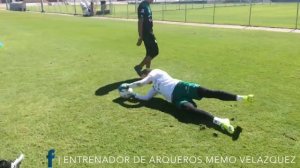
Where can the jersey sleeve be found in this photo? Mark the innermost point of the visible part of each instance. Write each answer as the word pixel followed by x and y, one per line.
pixel 140 83
pixel 149 95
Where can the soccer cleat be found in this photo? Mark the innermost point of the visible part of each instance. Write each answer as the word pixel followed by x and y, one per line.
pixel 236 134
pixel 250 98
pixel 225 125
pixel 138 70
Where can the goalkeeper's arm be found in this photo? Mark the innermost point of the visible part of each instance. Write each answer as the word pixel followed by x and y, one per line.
pixel 146 97
pixel 140 83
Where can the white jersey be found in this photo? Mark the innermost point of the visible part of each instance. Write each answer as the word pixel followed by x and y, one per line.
pixel 163 83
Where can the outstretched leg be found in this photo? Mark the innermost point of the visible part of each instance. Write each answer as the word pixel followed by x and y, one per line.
pixel 222 95
pixel 224 123
pixel 208 93
pixel 191 108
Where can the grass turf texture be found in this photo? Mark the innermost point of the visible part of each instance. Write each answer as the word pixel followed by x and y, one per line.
pixel 51 67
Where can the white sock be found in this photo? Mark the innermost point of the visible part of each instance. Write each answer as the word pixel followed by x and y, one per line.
pixel 217 120
pixel 240 98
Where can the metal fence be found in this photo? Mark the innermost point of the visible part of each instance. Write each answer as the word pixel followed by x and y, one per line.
pixel 267 13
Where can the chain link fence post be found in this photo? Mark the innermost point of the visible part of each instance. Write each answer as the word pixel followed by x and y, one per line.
pixel 297 15
pixel 6 4
pixel 185 11
pixel 75 12
pixel 42 6
pixel 163 5
pixel 127 10
pixel 214 12
pixel 250 13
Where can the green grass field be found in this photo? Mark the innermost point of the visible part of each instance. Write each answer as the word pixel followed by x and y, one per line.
pixel 267 15
pixel 51 67
pixel 275 15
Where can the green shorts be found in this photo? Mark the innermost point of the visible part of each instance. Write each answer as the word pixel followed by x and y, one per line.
pixel 185 92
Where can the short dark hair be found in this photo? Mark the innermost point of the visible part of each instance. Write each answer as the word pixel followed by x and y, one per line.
pixel 146 71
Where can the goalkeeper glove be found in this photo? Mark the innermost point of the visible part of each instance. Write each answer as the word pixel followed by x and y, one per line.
pixel 132 95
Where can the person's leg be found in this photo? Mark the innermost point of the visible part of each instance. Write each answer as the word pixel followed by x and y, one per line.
pixel 208 93
pixel 148 65
pixel 138 68
pixel 224 123
pixel 146 61
pixel 222 95
pixel 189 107
pixel 151 50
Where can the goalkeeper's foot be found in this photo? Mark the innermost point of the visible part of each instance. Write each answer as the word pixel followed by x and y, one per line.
pixel 225 125
pixel 249 98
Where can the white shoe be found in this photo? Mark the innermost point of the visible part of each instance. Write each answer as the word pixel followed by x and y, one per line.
pixel 225 124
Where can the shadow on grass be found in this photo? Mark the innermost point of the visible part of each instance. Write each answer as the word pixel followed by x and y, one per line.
pixel 180 115
pixel 104 90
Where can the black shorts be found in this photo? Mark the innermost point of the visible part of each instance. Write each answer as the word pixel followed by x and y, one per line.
pixel 150 45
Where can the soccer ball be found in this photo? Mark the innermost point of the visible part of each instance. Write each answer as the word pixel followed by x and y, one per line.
pixel 124 91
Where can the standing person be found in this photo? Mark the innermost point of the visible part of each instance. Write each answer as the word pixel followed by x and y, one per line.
pixel 86 8
pixel 182 93
pixel 146 35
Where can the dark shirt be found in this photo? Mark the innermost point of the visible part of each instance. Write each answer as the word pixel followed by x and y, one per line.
pixel 145 13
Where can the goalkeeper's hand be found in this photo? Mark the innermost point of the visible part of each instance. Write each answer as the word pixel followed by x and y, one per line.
pixel 132 95
pixel 125 85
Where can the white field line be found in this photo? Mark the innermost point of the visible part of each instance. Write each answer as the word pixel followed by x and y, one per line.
pixel 285 30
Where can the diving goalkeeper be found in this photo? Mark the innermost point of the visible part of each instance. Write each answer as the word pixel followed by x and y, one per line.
pixel 182 93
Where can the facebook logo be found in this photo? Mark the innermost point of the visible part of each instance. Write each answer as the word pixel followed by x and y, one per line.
pixel 50 157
